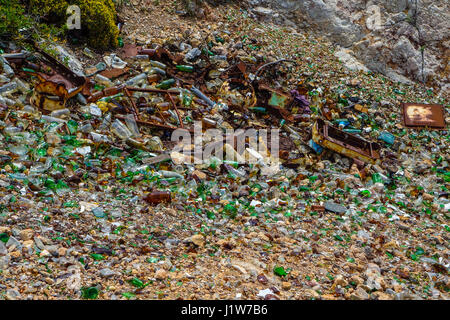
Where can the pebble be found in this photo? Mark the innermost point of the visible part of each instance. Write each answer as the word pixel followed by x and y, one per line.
pixel 12 294
pixel 13 243
pixel 198 240
pixel 360 294
pixel 26 234
pixel 161 274
pixel 106 273
pixel 334 207
pixel 286 285
pixel 3 249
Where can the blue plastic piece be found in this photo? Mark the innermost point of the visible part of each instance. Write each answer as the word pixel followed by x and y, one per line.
pixel 318 149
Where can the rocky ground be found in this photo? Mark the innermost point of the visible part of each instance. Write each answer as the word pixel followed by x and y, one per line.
pixel 403 39
pixel 74 223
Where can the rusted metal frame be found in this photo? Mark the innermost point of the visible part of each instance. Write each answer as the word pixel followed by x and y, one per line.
pixel 127 92
pixel 321 136
pixel 176 110
pixel 159 125
pixel 136 113
pixel 349 146
pixel 371 151
pixel 162 116
pixel 167 92
pixel 133 89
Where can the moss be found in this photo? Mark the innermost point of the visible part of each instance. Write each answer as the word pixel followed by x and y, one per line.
pixel 11 18
pixel 51 10
pixel 98 18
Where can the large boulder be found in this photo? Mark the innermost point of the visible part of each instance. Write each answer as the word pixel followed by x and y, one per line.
pixel 389 36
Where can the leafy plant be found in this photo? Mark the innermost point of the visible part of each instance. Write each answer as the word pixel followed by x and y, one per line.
pixel 12 19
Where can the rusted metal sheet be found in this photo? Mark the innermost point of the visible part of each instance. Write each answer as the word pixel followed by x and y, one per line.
pixel 345 143
pixel 57 82
pixel 423 115
pixel 49 96
pixel 62 74
pixel 114 73
pixel 276 101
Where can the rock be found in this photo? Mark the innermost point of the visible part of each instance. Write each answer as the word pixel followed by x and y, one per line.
pixel 62 251
pixel 53 250
pixel 372 270
pixel 28 244
pixel 4 262
pixel 428 197
pixel 161 274
pixel 4 229
pixel 239 268
pixel 380 283
pixel 3 249
pixel 39 243
pixel 334 207
pixel 348 59
pixel 26 234
pixel 198 240
pixel 365 30
pixel 286 285
pixel 12 294
pixel 13 243
pixel 310 293
pixel 357 280
pixel 359 294
pixel 106 273
pixel 340 281
pixel 263 11
pixel 199 174
pixel 262 279
pixel 264 293
pixel 16 254
pixel 44 253
pixel 382 296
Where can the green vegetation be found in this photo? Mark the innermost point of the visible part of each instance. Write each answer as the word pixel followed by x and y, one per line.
pixel 49 17
pixel 11 19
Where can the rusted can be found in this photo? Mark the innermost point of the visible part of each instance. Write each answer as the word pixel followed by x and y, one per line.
pixel 157 197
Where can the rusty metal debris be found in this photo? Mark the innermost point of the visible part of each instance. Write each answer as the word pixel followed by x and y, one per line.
pixel 114 73
pixel 238 94
pixel 423 115
pixel 271 63
pixel 57 83
pixel 239 88
pixel 49 96
pixel 129 90
pixel 345 143
pixel 107 92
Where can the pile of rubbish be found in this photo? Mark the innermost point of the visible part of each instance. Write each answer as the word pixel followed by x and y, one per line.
pixel 89 169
